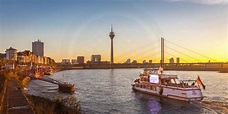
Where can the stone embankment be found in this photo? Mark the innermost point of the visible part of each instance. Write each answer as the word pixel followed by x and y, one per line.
pixel 2 93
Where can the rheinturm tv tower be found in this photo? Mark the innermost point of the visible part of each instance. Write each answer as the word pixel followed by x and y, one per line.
pixel 111 35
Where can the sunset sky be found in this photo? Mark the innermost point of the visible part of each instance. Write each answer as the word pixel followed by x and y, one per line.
pixel 194 30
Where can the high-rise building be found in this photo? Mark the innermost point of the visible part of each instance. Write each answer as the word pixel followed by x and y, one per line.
pixel 80 59
pixel 65 62
pixel 38 47
pixel 171 60
pixel 11 54
pixel 96 58
pixel 178 60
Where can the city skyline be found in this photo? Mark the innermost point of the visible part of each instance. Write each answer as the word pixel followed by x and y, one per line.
pixel 71 29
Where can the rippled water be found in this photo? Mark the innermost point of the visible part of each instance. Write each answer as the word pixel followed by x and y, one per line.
pixel 109 91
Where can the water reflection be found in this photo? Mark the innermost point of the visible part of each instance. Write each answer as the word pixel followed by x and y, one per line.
pixel 154 106
pixel 157 105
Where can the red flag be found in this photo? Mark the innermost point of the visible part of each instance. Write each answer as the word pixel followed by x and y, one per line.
pixel 200 82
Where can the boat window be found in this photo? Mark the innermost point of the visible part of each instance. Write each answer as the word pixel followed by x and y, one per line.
pixel 148 86
pixel 146 79
pixel 173 81
pixel 152 87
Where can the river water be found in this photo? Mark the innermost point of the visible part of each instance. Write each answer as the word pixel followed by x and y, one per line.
pixel 109 91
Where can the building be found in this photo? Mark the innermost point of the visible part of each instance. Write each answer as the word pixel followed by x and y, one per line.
pixel 171 60
pixel 28 55
pixel 144 62
pixel 2 55
pixel 128 61
pixel 9 66
pixel 80 59
pixel 178 60
pixel 74 61
pixel 46 60
pixel 25 56
pixel 65 62
pixel 11 54
pixel 50 60
pixel 38 48
pixel 20 57
pixel 95 59
pixel 134 61
pixel 39 59
pixel 33 57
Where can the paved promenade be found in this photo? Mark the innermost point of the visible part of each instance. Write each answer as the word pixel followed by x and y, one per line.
pixel 15 101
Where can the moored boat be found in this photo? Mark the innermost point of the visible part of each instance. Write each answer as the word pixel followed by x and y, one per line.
pixel 49 72
pixel 155 82
pixel 68 88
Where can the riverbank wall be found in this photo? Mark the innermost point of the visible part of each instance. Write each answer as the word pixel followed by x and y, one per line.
pixel 43 105
pixel 2 95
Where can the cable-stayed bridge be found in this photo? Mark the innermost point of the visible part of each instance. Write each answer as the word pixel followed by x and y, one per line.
pixel 160 52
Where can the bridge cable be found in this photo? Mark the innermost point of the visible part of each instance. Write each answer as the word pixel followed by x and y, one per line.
pixel 136 50
pixel 176 56
pixel 182 53
pixel 191 51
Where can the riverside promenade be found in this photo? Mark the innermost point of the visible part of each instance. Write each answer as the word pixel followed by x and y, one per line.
pixel 15 101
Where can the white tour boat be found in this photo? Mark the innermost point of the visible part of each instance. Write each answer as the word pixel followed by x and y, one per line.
pixel 153 81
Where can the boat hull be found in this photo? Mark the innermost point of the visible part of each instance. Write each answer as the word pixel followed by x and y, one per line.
pixel 183 94
pixel 66 88
pixel 48 73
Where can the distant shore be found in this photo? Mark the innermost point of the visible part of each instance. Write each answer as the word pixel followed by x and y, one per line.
pixel 220 70
pixel 209 66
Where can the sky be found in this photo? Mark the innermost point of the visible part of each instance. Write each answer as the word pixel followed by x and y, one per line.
pixel 194 30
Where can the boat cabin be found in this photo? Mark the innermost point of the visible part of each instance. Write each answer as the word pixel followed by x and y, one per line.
pixel 154 76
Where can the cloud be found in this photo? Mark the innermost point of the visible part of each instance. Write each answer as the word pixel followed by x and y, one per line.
pixel 209 2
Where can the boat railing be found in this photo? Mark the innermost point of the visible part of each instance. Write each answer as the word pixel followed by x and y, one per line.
pixel 181 85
